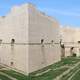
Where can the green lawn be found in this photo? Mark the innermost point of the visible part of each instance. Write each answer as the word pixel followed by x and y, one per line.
pixel 2 77
pixel 49 75
pixel 4 71
pixel 65 77
pixel 77 76
pixel 15 74
pixel 54 72
pixel 70 61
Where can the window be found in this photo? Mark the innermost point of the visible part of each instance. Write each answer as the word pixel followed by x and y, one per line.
pixel 12 41
pixel 42 40
pixel 11 63
pixel 78 41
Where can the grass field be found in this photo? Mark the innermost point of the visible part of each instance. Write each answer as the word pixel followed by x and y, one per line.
pixel 66 69
pixel 15 74
pixel 9 74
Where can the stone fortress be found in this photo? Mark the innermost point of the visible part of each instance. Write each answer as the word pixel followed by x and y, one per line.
pixel 30 40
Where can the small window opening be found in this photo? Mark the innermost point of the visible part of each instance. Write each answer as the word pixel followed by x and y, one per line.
pixel 78 41
pixel 12 41
pixel 11 63
pixel 52 41
pixel 42 40
pixel 0 41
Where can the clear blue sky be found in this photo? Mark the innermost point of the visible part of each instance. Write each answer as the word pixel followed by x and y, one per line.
pixel 67 12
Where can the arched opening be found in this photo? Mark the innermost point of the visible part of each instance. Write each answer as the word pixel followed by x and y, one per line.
pixel 12 41
pixel 42 40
